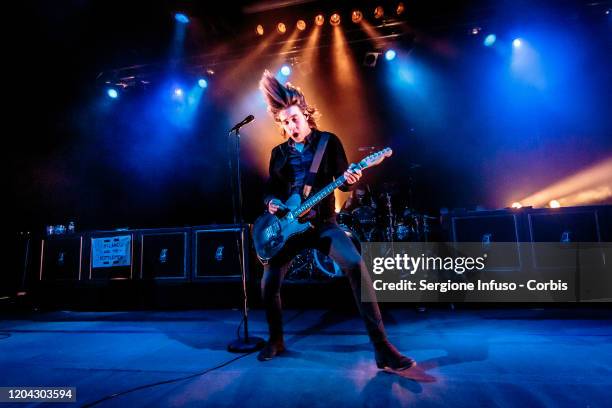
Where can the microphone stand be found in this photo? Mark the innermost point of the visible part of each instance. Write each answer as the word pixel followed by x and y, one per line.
pixel 248 343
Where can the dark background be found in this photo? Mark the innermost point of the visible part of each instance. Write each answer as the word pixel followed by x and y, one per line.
pixel 481 136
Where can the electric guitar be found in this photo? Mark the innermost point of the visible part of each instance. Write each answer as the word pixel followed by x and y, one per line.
pixel 271 233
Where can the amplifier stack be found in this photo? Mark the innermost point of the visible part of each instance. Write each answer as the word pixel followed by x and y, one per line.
pixel 204 253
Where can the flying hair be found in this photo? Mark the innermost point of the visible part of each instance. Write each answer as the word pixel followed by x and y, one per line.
pixel 280 97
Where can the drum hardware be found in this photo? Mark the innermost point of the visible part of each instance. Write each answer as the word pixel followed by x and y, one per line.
pixel 389 218
pixel 375 216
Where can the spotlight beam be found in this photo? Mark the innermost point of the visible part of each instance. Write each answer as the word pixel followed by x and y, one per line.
pixel 348 81
pixel 373 34
pixel 585 187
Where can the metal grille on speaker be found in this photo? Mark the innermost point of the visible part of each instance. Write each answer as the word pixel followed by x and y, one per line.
pixel 60 259
pixel 490 230
pixel 562 231
pixel 164 255
pixel 216 253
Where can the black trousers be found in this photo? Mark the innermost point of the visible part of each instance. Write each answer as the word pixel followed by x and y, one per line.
pixel 332 241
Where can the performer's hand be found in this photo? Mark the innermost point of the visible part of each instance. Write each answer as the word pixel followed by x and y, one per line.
pixel 274 205
pixel 352 175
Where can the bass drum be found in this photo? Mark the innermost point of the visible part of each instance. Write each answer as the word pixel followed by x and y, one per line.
pixel 346 219
pixel 324 267
pixel 300 268
pixel 364 222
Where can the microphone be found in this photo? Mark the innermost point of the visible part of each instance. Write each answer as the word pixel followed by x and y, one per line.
pixel 246 120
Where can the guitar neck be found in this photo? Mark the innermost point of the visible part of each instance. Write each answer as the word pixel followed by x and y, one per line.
pixel 320 195
pixel 371 160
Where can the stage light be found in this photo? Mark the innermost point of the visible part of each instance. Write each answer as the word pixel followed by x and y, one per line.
pixel 285 70
pixel 334 19
pixel 516 43
pixel 112 93
pixel 259 30
pixel 400 8
pixel 554 204
pixel 181 18
pixel 390 55
pixel 281 28
pixel 202 83
pixel 319 20
pixel 301 25
pixel 356 16
pixel 476 30
pixel 516 205
pixel 370 59
pixel 178 92
pixel 588 186
pixel 379 12
pixel 490 40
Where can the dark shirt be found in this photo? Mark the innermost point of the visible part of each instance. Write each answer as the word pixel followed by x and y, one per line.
pixel 284 166
pixel 300 163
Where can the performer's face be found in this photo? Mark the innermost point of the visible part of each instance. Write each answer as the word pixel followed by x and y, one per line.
pixel 295 123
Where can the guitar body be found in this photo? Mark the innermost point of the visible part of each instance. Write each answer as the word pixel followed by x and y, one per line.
pixel 270 234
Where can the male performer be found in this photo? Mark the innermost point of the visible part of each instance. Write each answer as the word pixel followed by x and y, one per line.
pixel 290 165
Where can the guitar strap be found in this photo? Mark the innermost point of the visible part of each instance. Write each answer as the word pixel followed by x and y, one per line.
pixel 316 162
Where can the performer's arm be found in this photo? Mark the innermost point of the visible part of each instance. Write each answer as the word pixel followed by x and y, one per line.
pixel 340 162
pixel 274 186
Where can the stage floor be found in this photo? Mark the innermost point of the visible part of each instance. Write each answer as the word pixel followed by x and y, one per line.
pixel 508 357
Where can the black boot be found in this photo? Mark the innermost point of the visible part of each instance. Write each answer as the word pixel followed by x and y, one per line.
pixel 271 350
pixel 387 356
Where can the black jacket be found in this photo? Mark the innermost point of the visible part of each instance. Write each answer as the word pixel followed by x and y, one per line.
pixel 333 164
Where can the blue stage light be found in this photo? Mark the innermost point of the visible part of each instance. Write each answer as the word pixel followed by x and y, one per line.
pixel 178 92
pixel 285 70
pixel 112 93
pixel 516 43
pixel 390 54
pixel 181 18
pixel 202 83
pixel 490 40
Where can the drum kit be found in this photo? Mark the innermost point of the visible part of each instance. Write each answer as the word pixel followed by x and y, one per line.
pixel 367 216
pixel 311 265
pixel 380 219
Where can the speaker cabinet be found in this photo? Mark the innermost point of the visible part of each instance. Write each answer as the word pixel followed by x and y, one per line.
pixel 485 228
pixel 217 252
pixel 14 275
pixel 564 226
pixel 111 255
pixel 164 254
pixel 61 258
pixel 563 230
pixel 496 232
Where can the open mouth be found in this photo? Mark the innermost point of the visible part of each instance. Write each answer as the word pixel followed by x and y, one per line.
pixel 295 135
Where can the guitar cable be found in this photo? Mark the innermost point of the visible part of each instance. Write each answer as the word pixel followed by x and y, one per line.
pixel 174 380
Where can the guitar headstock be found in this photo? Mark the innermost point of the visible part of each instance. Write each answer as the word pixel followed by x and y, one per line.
pixel 375 158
